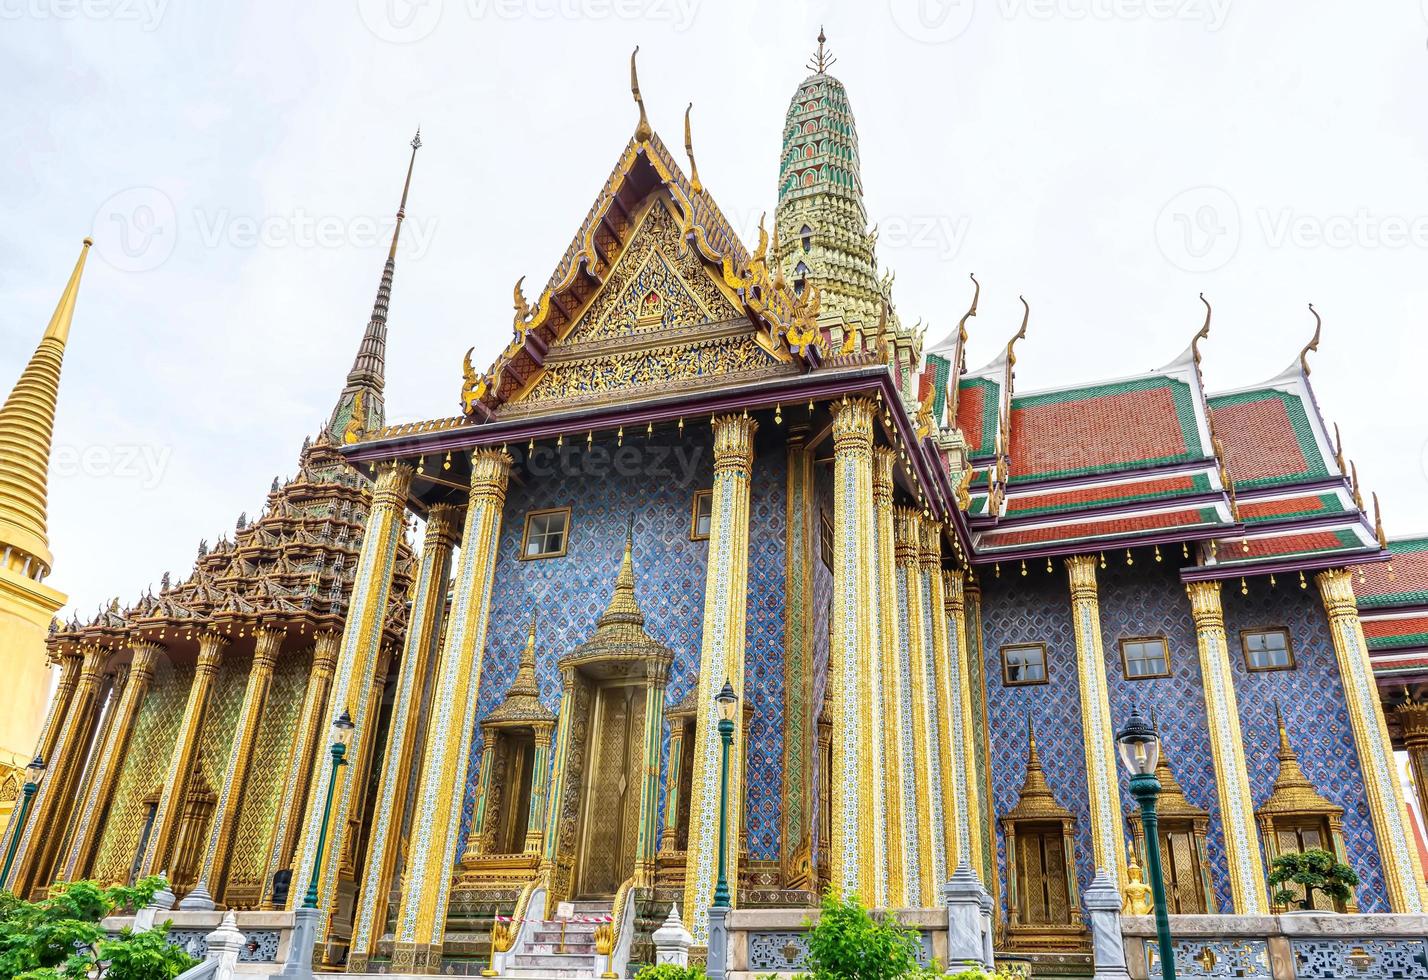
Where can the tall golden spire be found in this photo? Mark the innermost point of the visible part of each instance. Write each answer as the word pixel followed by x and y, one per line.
pixel 624 608
pixel 26 427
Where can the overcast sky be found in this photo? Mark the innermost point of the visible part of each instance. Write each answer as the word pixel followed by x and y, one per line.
pixel 238 165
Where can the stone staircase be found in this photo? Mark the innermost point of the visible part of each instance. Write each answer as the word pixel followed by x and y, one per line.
pixel 561 951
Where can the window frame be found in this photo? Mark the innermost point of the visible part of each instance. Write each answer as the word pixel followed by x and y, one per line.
pixel 1045 664
pixel 526 534
pixel 1125 661
pixel 825 534
pixel 1288 648
pixel 699 495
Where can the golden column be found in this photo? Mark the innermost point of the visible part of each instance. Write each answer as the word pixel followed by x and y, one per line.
pixel 69 664
pixel 1397 852
pixel 1413 721
pixel 352 684
pixel 213 868
pixel 962 745
pixel 1227 749
pixel 943 741
pixel 800 538
pixel 110 761
pixel 977 689
pixel 916 703
pixel 44 831
pixel 669 838
pixel 540 779
pixel 169 812
pixel 1108 846
pixel 421 922
pixel 423 634
pixel 721 657
pixel 305 746
pixel 646 839
pixel 850 652
pixel 891 734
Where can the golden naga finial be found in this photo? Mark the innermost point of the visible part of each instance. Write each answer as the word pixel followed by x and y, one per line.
pixel 821 60
pixel 1378 523
pixel 694 182
pixel 473 385
pixel 761 253
pixel 1019 335
pixel 954 375
pixel 1313 342
pixel 1204 331
pixel 642 129
pixel 1339 450
pixel 1354 484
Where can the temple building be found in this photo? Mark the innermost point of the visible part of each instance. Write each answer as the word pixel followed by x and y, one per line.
pixel 935 595
pixel 28 604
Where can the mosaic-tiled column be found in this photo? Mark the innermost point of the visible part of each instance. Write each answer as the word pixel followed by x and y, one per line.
pixel 647 837
pixel 873 866
pixel 669 839
pixel 169 811
pixel 1227 749
pixel 212 868
pixel 431 853
pixel 1413 722
pixel 943 706
pixel 423 634
pixel 359 776
pixel 721 657
pixel 351 687
pixel 890 729
pixel 850 782
pixel 800 539
pixel 292 805
pixel 961 745
pixel 1397 852
pixel 70 666
pixel 1108 846
pixel 564 718
pixel 110 760
pixel 913 710
pixel 977 690
pixel 540 780
pixel 46 824
pixel 111 690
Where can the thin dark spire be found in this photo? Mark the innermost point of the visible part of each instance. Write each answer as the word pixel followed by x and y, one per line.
pixel 361 408
pixel 822 60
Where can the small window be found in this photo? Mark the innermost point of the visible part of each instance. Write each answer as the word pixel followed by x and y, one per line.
pixel 806 234
pixel 546 533
pixel 703 514
pixel 825 540
pixel 1024 664
pixel 1267 649
pixel 1145 656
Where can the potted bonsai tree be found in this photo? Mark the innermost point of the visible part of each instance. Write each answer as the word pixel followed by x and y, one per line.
pixel 1314 870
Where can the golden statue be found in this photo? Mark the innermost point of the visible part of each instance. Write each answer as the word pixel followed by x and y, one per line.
pixel 1138 900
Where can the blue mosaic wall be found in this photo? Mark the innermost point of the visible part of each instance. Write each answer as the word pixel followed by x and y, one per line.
pixel 657 482
pixel 1312 700
pixel 1035 608
pixel 1147 599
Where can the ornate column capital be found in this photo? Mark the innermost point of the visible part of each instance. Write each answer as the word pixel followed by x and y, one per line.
pixel 210 652
pixel 324 652
pixel 392 483
pixel 1205 604
pixel 953 592
pixel 1413 721
pixel 490 473
pixel 929 544
pixel 1081 570
pixel 144 656
pixel 734 443
pixel 443 526
pixel 92 665
pixel 907 541
pixel 268 641
pixel 1336 588
pixel 884 459
pixel 853 426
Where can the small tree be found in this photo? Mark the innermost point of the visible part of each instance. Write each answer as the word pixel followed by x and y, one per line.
pixel 1313 870
pixel 848 943
pixel 60 938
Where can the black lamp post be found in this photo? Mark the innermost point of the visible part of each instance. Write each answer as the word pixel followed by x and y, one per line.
pixel 341 736
pixel 1139 746
pixel 34 773
pixel 727 702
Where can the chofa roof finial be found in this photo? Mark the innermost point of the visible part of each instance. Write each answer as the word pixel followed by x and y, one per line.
pixel 1313 341
pixel 694 182
pixel 1204 330
pixel 642 128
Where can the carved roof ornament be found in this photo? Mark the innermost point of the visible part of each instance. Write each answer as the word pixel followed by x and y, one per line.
pixel 1313 342
pixel 695 184
pixel 1036 801
pixel 822 59
pixel 522 705
pixel 620 645
pixel 1292 792
pixel 643 132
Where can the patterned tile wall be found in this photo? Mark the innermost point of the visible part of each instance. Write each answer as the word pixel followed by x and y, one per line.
pixel 1035 608
pixel 1312 699
pixel 570 592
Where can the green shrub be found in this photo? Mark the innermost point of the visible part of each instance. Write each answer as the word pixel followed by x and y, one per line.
pixel 59 937
pixel 668 971
pixel 849 943
pixel 1314 870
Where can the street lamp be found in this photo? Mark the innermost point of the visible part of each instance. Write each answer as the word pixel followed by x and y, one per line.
pixel 341 736
pixel 727 702
pixel 1139 746
pixel 34 773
